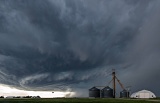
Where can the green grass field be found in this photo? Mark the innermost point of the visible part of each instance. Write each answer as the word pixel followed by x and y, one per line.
pixel 77 100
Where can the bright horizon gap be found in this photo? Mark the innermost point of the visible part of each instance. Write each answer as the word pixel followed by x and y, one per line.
pixel 11 91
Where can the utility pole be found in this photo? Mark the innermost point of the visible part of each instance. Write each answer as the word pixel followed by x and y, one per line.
pixel 114 82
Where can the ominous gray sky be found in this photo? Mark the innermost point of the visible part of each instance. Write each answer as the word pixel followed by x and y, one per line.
pixel 49 44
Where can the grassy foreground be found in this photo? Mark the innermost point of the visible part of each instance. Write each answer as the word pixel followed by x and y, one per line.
pixel 75 100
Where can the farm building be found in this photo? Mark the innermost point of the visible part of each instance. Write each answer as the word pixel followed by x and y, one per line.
pixel 143 94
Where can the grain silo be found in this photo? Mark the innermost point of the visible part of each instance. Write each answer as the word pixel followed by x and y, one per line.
pixel 107 92
pixel 94 92
pixel 124 94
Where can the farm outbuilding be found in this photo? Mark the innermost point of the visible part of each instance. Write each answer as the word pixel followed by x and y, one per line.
pixel 143 94
pixel 94 92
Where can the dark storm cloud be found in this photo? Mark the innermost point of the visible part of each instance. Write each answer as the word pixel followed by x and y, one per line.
pixel 144 55
pixel 53 43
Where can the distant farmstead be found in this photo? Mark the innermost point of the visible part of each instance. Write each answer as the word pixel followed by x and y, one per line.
pixel 143 94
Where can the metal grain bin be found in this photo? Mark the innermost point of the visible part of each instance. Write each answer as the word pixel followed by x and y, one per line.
pixel 124 94
pixel 94 92
pixel 107 92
